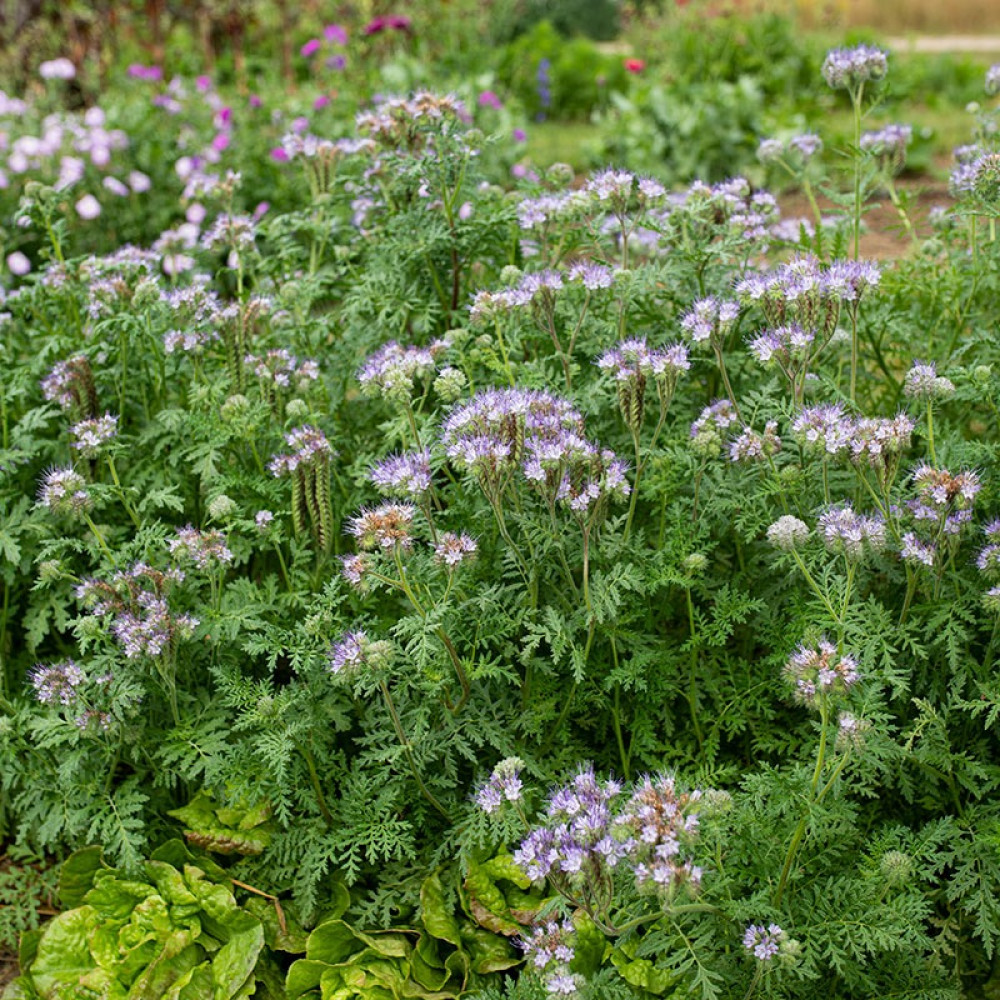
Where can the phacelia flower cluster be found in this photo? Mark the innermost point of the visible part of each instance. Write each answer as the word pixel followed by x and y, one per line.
pixel 504 785
pixel 988 560
pixel 799 147
pixel 944 502
pixel 454 548
pixel 136 599
pixel 707 430
pixel 90 436
pixel 631 363
pixel 888 144
pixel 64 492
pixel 206 549
pixel 281 368
pixel 393 369
pixel 788 533
pixel 803 292
pixel 71 385
pixel 709 320
pixel 877 442
pixel 589 830
pixel 764 942
pixel 820 670
pixel 387 528
pixel 407 475
pixel 56 683
pixel 753 446
pixel 852 68
pixel 309 447
pixel 922 382
pixel 855 535
pixel 548 951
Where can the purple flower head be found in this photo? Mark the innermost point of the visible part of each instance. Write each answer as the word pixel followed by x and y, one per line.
pixel 393 369
pixel 454 549
pixel 923 382
pixel 504 785
pixel 310 48
pixel 820 670
pixel 205 549
pixel 764 942
pixel 709 320
pixel 851 68
pixel 309 446
pixel 706 431
pixel 854 534
pixel 752 446
pixel 56 683
pixel 406 475
pixel 348 653
pixel 336 34
pixel 90 436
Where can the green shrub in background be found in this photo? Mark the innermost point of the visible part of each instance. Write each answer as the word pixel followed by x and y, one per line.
pixel 709 130
pixel 599 20
pixel 577 77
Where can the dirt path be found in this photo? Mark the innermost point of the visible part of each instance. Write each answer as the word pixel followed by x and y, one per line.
pixel 946 44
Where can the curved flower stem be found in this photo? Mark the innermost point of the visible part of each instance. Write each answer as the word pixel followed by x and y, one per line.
pixel 100 539
pixel 121 493
pixel 800 830
pixel 816 589
pixel 408 750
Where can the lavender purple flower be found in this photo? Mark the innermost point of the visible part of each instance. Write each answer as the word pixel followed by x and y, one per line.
pixel 763 942
pixel 454 549
pixel 204 548
pixel 504 785
pixel 405 475
pixel 64 491
pixel 91 435
pixel 853 534
pixel 388 527
pixel 851 68
pixel 56 683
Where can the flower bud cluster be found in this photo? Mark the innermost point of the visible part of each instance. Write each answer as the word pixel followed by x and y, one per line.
pixel 631 363
pixel 504 785
pixel 205 549
pixel 393 369
pixel 90 436
pixel 820 670
pixel 71 385
pixel 752 446
pixel 855 535
pixel 923 382
pixel 888 144
pixel 851 68
pixel 64 492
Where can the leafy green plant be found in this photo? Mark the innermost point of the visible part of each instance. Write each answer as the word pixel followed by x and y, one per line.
pixel 173 932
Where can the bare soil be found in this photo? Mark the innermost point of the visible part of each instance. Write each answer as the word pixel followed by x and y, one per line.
pixel 884 236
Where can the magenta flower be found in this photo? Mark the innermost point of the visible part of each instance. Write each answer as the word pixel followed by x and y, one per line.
pixel 321 102
pixel 487 99
pixel 336 34
pixel 151 74
pixel 310 48
pixel 220 141
pixel 520 135
pixel 255 101
pixel 203 83
pixel 280 155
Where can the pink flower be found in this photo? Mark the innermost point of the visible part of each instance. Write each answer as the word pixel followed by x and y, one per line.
pixel 634 65
pixel 225 116
pixel 203 83
pixel 280 155
pixel 220 141
pixel 255 101
pixel 88 207
pixel 139 182
pixel 321 102
pixel 487 99
pixel 57 69
pixel 18 264
pixel 310 48
pixel 262 209
pixel 335 33
pixel 520 135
